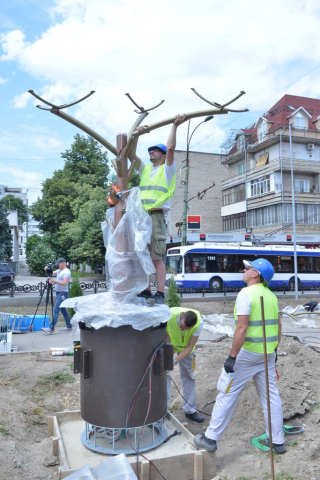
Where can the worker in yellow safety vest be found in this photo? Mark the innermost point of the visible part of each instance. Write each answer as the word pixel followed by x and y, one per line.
pixel 184 328
pixel 246 359
pixel 157 185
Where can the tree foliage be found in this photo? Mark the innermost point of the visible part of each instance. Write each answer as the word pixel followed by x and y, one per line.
pixel 13 203
pixel 5 235
pixel 73 202
pixel 40 255
pixel 74 291
pixel 32 242
pixel 173 297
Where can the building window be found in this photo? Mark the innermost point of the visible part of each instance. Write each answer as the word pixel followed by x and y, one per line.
pixel 234 194
pixel 272 215
pixel 20 251
pixel 241 169
pixel 262 130
pixel 300 121
pixel 302 186
pixel 240 142
pixel 234 222
pixel 260 186
pixel 264 216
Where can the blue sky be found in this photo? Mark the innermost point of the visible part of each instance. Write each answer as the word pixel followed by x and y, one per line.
pixel 156 50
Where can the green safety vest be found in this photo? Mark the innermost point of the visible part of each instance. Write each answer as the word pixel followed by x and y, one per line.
pixel 178 341
pixel 155 192
pixel 254 336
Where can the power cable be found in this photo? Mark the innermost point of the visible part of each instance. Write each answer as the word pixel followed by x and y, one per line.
pixel 208 414
pixel 257 105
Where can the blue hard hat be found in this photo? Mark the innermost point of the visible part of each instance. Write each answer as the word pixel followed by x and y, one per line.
pixel 263 267
pixel 160 146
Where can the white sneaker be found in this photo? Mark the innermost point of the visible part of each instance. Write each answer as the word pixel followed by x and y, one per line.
pixel 47 330
pixel 66 329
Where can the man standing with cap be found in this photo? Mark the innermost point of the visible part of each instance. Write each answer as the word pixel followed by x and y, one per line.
pixel 62 292
pixel 246 359
pixel 157 185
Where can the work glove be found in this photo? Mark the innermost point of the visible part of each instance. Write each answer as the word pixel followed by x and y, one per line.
pixel 275 360
pixel 229 364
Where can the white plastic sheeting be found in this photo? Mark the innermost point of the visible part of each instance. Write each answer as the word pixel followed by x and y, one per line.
pixel 103 310
pixel 128 257
pixel 107 227
pixel 304 323
pixel 217 324
pixel 115 468
pixel 129 265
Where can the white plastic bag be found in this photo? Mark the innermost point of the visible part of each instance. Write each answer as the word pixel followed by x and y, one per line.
pixel 115 468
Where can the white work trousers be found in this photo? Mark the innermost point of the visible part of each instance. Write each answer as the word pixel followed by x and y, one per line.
pixel 249 365
pixel 188 384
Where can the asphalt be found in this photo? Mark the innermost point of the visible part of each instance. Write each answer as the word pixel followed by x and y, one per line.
pixel 37 341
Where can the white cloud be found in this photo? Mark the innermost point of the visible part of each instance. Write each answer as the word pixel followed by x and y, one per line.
pixel 158 51
pixel 22 178
pixel 20 101
pixel 3 80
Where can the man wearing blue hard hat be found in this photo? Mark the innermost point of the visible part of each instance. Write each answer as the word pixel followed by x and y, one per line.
pixel 246 359
pixel 157 185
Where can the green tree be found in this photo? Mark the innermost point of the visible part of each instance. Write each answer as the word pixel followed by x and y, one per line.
pixel 74 291
pixel 173 297
pixel 39 257
pixel 5 235
pixel 31 243
pixel 85 166
pixel 73 202
pixel 13 203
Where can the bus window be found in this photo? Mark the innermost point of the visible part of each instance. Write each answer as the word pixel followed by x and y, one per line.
pixel 174 264
pixel 317 264
pixel 211 263
pixel 287 264
pixel 227 263
pixel 305 264
pixel 198 263
pixel 188 263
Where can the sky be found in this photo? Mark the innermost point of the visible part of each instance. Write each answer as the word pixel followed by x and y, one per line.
pixel 159 50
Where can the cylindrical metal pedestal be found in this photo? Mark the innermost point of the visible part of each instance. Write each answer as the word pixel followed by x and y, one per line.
pixel 112 364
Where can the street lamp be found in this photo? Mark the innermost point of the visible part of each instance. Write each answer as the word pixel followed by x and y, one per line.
pixel 186 183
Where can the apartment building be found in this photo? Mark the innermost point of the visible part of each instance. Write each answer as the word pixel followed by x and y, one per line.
pixel 257 195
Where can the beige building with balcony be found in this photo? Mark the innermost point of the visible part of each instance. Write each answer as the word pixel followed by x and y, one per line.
pixel 205 169
pixel 257 194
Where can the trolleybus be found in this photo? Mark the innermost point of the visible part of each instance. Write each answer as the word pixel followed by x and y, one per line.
pixel 213 265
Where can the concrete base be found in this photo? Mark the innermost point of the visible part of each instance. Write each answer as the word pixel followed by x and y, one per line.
pixel 178 458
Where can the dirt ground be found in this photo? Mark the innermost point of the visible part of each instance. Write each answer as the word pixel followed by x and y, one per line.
pixel 32 387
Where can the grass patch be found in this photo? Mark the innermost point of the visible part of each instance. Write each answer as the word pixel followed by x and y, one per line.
pixel 48 383
pixel 173 407
pixel 3 430
pixel 279 476
pixel 313 407
pixel 288 443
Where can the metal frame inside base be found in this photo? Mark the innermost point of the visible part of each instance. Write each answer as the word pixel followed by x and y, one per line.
pixel 94 433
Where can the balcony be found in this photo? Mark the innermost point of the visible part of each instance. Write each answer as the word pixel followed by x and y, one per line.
pixel 306 166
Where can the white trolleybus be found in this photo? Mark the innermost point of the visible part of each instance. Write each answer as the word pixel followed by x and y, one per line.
pixel 214 266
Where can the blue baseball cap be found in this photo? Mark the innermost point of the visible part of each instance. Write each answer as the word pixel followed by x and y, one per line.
pixel 161 147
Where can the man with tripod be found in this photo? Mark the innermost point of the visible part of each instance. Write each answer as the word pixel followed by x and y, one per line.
pixel 63 275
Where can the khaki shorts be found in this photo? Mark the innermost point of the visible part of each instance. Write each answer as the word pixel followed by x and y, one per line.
pixel 157 247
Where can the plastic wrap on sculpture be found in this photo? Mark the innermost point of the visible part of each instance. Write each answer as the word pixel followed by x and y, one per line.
pixel 107 227
pixel 128 257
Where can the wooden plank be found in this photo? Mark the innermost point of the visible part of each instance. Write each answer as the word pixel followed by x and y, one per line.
pixel 144 469
pixel 198 466
pixel 180 427
pixel 208 464
pixel 61 453
pixel 68 416
pixel 65 473
pixel 177 467
pixel 55 446
pixel 50 426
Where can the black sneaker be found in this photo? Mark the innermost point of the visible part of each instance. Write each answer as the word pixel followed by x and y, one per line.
pixel 145 294
pixel 156 299
pixel 201 441
pixel 277 447
pixel 195 416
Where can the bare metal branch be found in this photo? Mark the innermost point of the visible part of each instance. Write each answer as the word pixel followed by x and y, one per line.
pixel 215 104
pixel 42 100
pixel 141 109
pixel 78 101
pixel 238 111
pixel 86 129
pixel 235 98
pixel 42 108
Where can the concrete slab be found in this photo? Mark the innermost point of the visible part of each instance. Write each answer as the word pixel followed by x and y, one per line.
pixel 178 458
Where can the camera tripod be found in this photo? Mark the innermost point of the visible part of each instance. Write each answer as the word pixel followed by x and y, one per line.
pixel 48 300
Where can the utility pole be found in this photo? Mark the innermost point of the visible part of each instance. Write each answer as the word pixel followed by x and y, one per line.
pixel 293 220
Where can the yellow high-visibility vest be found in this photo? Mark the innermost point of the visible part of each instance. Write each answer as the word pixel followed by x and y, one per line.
pixel 155 192
pixel 179 341
pixel 254 338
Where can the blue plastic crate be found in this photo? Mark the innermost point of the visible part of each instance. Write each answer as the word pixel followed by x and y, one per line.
pixel 22 324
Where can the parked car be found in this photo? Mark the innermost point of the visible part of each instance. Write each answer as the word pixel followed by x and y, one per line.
pixel 6 277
